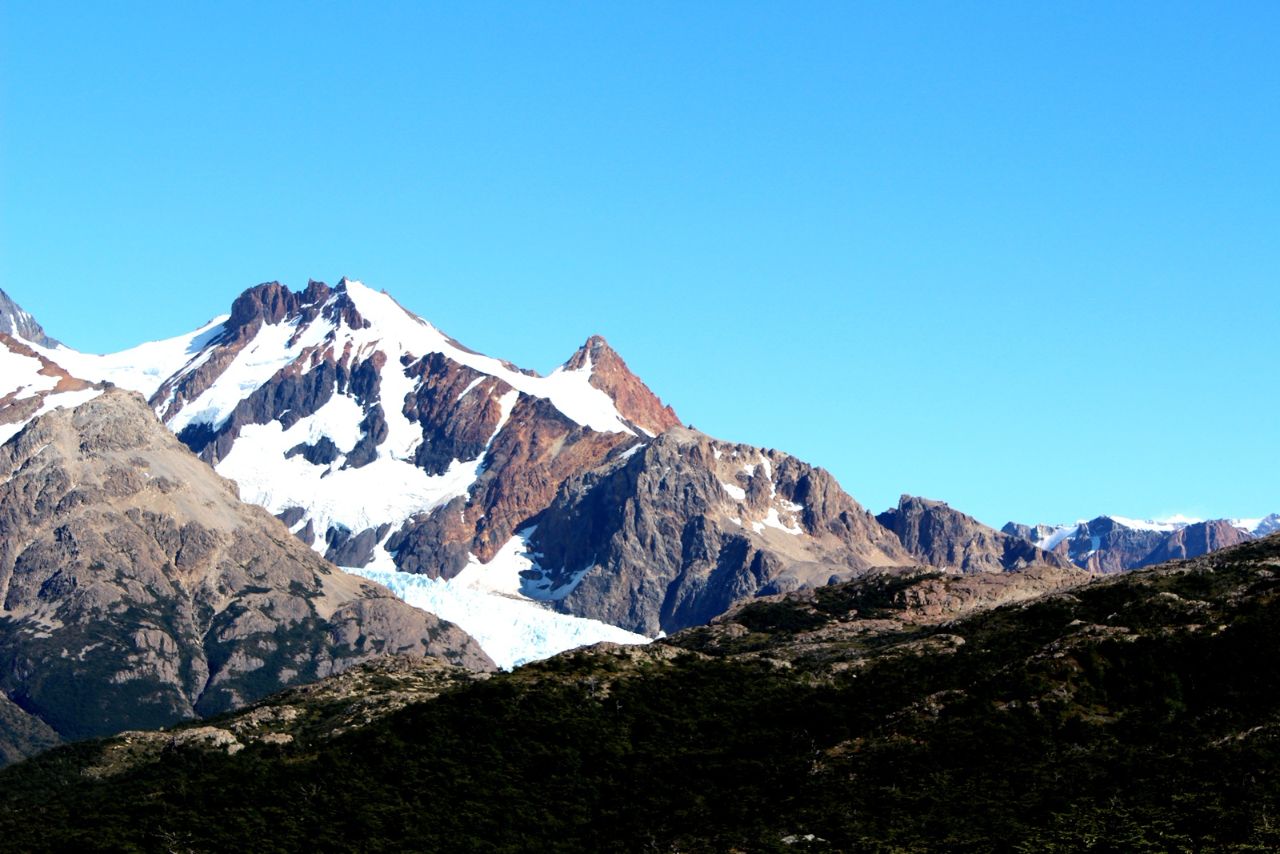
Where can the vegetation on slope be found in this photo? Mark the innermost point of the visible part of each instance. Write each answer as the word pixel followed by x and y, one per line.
pixel 1136 713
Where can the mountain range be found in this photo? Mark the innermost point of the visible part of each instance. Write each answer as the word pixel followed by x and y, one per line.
pixel 1116 543
pixel 528 513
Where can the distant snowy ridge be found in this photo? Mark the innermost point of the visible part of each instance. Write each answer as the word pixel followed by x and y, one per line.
pixel 1258 527
pixel 142 368
pixel 1168 524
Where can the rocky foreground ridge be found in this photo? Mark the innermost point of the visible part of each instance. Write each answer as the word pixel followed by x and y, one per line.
pixel 138 590
pixel 1056 714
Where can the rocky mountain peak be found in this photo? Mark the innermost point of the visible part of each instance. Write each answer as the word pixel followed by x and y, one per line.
pixel 634 400
pixel 18 323
pixel 938 535
pixel 1269 525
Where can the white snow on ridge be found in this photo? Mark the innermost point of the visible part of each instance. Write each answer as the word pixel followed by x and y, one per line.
pixel 253 366
pixel 142 368
pixel 1167 525
pixel 20 375
pixel 402 332
pixel 394 330
pixel 1259 527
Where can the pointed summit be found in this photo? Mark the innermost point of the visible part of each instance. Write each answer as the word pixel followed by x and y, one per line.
pixel 630 395
pixel 19 324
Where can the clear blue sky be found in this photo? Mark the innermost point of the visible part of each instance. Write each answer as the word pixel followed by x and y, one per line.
pixel 1021 257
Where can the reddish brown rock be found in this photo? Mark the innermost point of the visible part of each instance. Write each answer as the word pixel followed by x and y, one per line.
pixel 17 405
pixel 633 398
pixel 1195 540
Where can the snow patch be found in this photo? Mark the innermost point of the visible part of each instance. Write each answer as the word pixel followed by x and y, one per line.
pixel 22 374
pixel 1060 533
pixel 385 490
pixel 256 363
pixel 774 521
pixel 569 391
pixel 485 600
pixel 143 368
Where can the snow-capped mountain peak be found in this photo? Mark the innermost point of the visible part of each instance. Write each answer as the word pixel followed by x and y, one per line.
pixel 1259 527
pixel 20 324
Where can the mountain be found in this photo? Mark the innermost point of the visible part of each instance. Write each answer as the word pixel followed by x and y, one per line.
pixel 391 448
pixel 138 590
pixel 1196 539
pixel 1259 527
pixel 676 530
pixel 906 710
pixel 1117 543
pixel 32 384
pixel 937 535
pixel 19 324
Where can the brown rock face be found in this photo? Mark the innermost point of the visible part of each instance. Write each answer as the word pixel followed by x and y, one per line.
pixel 940 536
pixel 611 375
pixel 536 451
pixel 674 533
pixel 138 590
pixel 1195 540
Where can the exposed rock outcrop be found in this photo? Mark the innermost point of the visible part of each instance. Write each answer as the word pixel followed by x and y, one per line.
pixel 611 375
pixel 1196 539
pixel 937 535
pixel 675 532
pixel 137 589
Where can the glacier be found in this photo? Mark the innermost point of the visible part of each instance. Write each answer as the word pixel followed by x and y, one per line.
pixel 512 630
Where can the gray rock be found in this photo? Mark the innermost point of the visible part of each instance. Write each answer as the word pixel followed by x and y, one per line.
pixel 138 590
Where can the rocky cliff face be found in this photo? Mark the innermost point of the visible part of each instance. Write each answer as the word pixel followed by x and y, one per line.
pixel 939 536
pixel 673 532
pixel 1196 539
pixel 138 590
pixel 18 323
